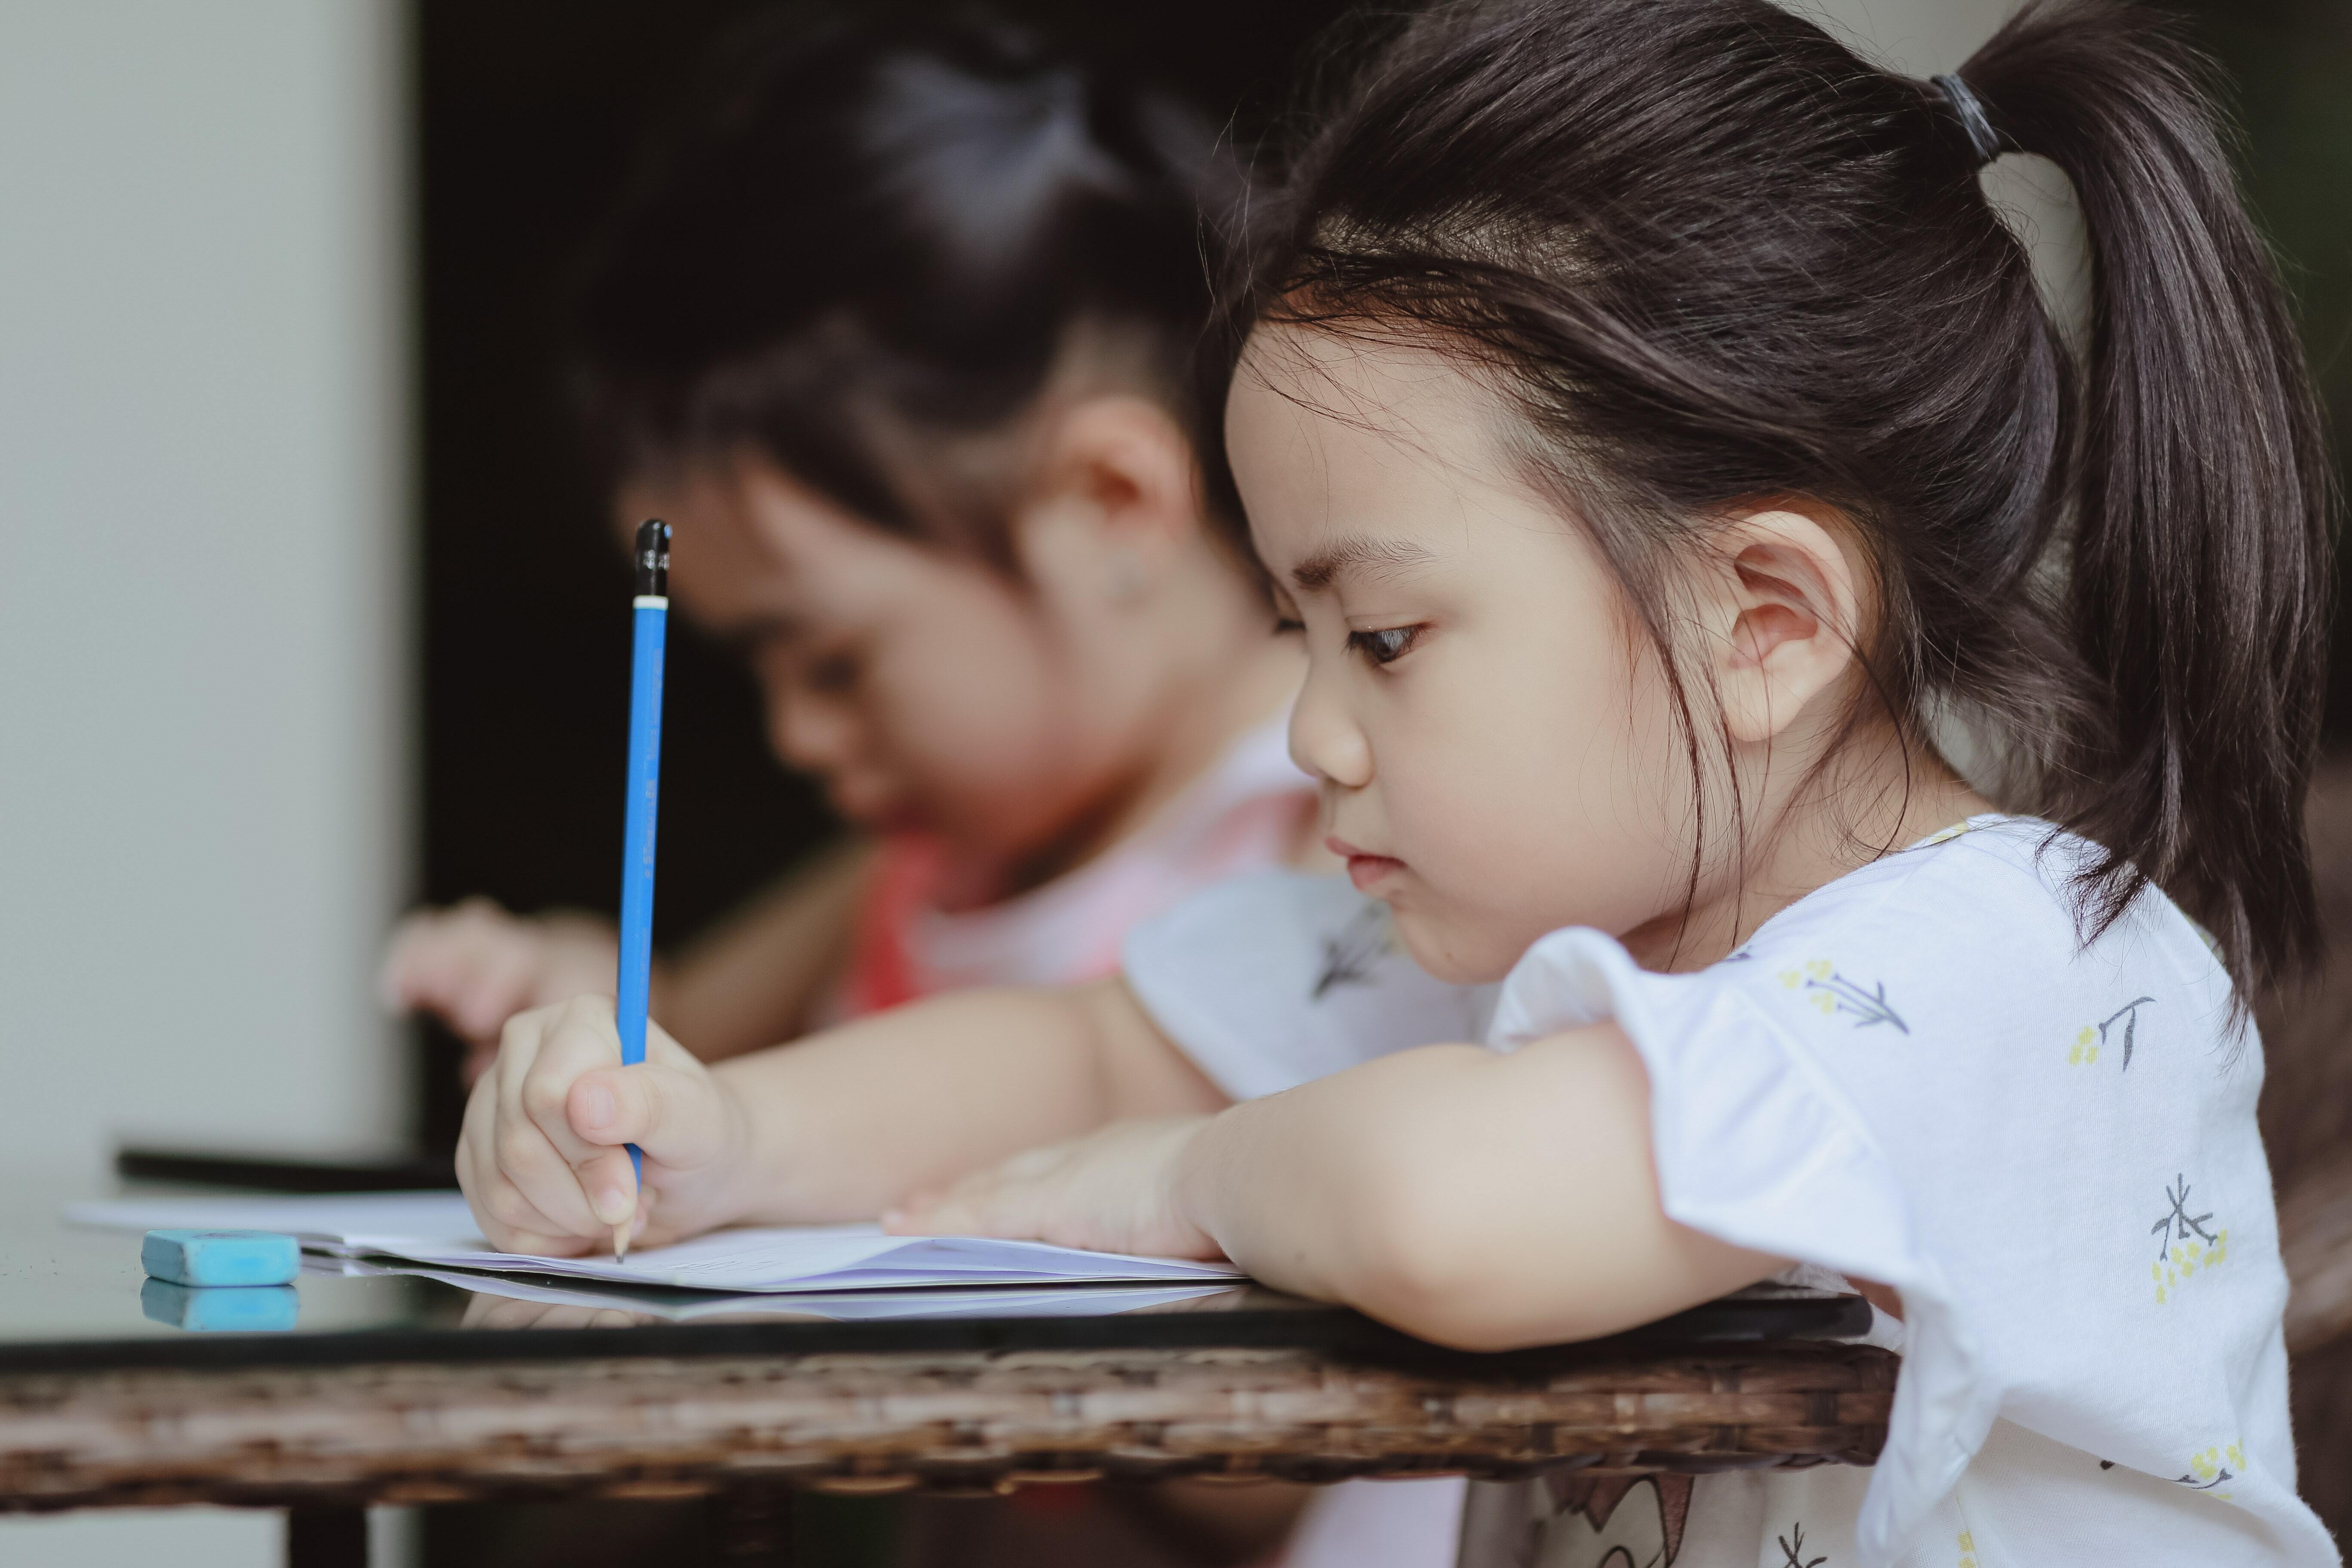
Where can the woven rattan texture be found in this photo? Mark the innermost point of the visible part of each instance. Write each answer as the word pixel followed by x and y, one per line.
pixel 963 1421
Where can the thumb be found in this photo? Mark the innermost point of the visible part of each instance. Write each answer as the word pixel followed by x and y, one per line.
pixel 675 1112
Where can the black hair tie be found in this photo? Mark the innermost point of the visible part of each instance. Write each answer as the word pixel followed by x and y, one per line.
pixel 1973 119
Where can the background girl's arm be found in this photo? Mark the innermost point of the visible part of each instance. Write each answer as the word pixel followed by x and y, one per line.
pixel 840 1126
pixel 756 976
pixel 748 981
pixel 1472 1198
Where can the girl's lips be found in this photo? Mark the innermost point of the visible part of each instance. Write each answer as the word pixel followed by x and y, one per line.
pixel 1364 870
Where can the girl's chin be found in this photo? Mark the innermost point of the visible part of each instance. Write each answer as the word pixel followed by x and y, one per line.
pixel 878 811
pixel 1445 950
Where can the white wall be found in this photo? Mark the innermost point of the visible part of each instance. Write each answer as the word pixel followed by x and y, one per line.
pixel 203 731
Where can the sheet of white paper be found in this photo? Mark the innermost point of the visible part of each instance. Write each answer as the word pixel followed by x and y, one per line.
pixel 839 1306
pixel 438 1228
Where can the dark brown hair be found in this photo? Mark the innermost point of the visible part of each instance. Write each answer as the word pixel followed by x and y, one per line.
pixel 867 243
pixel 1712 256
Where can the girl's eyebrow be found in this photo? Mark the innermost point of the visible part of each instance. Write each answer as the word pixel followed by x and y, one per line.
pixel 746 635
pixel 1356 554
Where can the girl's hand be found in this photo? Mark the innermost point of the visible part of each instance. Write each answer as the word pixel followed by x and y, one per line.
pixel 541 1157
pixel 499 1312
pixel 474 966
pixel 1110 1191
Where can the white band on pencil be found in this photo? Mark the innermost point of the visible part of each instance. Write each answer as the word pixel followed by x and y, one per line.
pixel 651 602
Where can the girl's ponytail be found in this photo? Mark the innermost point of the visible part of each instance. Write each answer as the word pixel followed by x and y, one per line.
pixel 2200 500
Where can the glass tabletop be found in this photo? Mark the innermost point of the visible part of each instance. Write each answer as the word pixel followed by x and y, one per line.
pixel 73 1298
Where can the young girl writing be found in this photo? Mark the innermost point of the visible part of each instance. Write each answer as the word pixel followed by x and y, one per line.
pixel 1662 444
pixel 898 336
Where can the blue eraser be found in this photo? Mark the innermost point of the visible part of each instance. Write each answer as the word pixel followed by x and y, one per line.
pixel 253 1309
pixel 222 1256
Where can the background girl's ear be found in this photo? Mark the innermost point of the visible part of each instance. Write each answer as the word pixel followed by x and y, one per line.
pixel 1786 608
pixel 1127 465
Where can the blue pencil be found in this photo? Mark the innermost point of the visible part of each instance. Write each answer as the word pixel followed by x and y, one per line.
pixel 631 992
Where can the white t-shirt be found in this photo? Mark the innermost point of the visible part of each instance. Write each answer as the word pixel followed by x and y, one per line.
pixel 1919 1075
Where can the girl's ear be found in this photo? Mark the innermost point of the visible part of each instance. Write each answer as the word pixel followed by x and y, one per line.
pixel 1115 484
pixel 1787 611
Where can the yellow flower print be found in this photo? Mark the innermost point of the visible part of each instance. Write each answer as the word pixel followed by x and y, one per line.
pixel 1832 994
pixel 2119 1027
pixel 2212 1469
pixel 1968 1551
pixel 2183 1245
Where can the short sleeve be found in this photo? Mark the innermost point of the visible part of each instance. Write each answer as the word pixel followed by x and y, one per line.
pixel 1922 1076
pixel 1276 978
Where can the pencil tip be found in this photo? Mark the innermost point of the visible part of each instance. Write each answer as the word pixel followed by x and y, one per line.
pixel 620 1244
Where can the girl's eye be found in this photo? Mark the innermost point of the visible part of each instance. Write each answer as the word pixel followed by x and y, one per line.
pixel 1284 625
pixel 1386 645
pixel 830 674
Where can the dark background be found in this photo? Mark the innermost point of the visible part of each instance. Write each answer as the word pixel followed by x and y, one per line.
pixel 528 112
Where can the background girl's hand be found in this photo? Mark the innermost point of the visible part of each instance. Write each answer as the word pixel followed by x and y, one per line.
pixel 474 966
pixel 542 1159
pixel 1112 1191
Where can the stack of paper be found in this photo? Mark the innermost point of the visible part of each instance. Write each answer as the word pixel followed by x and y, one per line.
pixel 677 1306
pixel 437 1229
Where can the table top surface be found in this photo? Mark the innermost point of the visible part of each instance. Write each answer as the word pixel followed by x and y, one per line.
pixel 389 1386
pixel 73 1299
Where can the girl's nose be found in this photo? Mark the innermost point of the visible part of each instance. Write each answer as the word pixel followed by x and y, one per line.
pixel 809 732
pixel 1325 740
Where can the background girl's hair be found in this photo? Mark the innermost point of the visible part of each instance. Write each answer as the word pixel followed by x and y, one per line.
pixel 869 241
pixel 1713 257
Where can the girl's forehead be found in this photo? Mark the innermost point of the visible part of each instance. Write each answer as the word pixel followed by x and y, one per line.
pixel 1379 396
pixel 1381 446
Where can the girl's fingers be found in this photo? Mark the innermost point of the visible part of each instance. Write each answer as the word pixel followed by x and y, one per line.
pixel 609 1180
pixel 542 1158
pixel 510 1221
pixel 668 1105
pixel 498 1312
pixel 433 953
pixel 531 1168
pixel 523 1194
pixel 502 975
pixel 577 1039
pixel 1109 1190
pixel 536 1153
pixel 992 1203
pixel 537 1240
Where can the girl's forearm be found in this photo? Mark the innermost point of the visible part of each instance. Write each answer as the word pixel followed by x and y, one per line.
pixel 849 1122
pixel 1472 1198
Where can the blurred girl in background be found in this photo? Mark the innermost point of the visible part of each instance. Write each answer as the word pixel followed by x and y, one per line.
pixel 899 338
pixel 898 335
